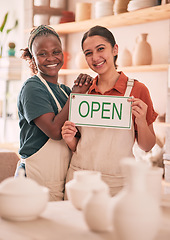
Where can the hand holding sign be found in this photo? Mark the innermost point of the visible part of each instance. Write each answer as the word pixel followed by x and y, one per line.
pixel 100 111
pixel 139 109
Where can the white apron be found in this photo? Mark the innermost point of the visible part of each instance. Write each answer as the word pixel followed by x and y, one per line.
pixel 49 165
pixel 101 149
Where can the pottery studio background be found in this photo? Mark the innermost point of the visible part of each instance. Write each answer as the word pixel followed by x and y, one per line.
pixel 157 37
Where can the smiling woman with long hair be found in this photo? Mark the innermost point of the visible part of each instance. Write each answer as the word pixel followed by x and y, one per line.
pixel 102 149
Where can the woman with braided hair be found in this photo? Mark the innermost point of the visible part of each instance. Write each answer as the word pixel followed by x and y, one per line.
pixel 43 106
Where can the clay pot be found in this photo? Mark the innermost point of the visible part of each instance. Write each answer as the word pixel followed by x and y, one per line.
pixel 120 6
pixel 66 59
pixel 83 11
pixel 81 61
pixel 67 16
pixel 142 53
pixel 125 58
pixel 165 2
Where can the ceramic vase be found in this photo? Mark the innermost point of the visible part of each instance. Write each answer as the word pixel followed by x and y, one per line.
pixel 142 53
pixel 82 184
pixel 80 61
pixel 67 57
pixel 83 11
pixel 154 182
pixel 136 214
pixel 120 6
pixel 96 211
pixel 125 58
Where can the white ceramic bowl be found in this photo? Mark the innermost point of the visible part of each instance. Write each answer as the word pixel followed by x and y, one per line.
pixel 23 207
pixel 22 198
pixel 83 183
pixel 135 5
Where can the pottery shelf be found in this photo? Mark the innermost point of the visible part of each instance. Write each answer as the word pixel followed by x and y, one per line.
pixel 144 68
pixel 47 9
pixel 157 13
pixel 161 124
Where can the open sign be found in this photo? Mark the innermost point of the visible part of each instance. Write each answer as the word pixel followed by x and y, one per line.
pixel 100 111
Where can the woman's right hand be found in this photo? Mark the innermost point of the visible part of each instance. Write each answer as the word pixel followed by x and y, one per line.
pixel 68 131
pixel 82 83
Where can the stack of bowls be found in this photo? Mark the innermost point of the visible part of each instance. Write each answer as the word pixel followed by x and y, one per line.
pixel 103 8
pixel 138 4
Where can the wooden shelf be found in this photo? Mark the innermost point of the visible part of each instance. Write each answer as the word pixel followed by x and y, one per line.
pixel 47 10
pixel 161 124
pixel 145 15
pixel 144 68
pixel 10 68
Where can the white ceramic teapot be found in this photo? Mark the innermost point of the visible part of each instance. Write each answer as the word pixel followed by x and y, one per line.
pixel 22 198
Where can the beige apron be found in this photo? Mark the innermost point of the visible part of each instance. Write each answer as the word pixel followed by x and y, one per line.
pixel 49 165
pixel 102 149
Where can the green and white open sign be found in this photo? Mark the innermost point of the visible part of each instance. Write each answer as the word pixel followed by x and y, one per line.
pixel 100 111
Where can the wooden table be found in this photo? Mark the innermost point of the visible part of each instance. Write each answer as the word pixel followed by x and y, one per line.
pixel 61 221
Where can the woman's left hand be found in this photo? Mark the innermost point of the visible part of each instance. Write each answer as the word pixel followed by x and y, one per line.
pixel 139 109
pixel 82 83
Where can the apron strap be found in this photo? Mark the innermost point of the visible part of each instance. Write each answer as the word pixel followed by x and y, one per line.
pixel 130 84
pixel 49 89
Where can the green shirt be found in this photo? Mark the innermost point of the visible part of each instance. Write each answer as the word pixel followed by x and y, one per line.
pixel 35 100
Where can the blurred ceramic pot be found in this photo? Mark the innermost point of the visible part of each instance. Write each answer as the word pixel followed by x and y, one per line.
pixel 83 11
pixel 41 19
pixel 41 2
pixel 154 182
pixel 125 58
pixel 139 4
pixel 81 61
pixel 136 211
pixel 103 8
pixel 120 6
pixel 97 211
pixel 21 198
pixel 165 2
pixel 142 53
pixel 83 183
pixel 67 57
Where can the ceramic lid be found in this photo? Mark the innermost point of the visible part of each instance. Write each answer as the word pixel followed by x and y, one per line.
pixel 20 185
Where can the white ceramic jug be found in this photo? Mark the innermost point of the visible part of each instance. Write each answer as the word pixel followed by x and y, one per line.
pixel 136 214
pixel 97 211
